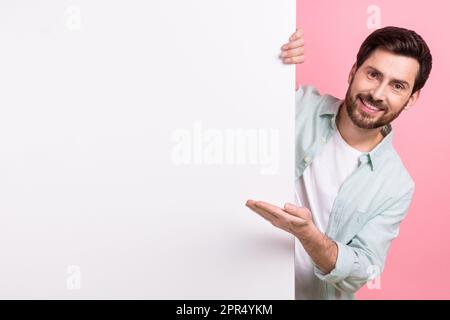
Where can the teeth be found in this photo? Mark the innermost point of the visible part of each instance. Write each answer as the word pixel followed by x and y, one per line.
pixel 370 106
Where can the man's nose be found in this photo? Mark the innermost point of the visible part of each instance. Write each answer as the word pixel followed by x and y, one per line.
pixel 379 92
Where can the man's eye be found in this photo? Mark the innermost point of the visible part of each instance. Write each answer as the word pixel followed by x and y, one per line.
pixel 372 74
pixel 398 86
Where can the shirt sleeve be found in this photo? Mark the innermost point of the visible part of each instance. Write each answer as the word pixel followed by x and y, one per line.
pixel 363 258
pixel 306 95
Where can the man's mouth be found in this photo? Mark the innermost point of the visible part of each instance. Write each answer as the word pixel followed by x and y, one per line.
pixel 367 107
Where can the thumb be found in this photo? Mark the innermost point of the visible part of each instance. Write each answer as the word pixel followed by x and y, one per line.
pixel 300 212
pixel 290 207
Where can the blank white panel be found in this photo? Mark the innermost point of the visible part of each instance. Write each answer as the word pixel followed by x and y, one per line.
pixel 131 135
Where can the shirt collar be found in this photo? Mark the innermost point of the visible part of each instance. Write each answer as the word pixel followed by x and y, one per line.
pixel 376 155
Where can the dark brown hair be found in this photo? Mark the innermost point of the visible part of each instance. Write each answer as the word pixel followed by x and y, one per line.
pixel 399 41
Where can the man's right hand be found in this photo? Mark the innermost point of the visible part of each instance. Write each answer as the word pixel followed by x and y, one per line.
pixel 293 52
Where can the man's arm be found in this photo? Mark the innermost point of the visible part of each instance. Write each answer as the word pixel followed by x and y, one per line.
pixel 353 263
pixel 298 221
pixel 322 250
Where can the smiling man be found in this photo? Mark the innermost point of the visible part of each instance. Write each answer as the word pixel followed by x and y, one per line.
pixel 352 189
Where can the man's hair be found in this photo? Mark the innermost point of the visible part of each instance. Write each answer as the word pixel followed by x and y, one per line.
pixel 399 41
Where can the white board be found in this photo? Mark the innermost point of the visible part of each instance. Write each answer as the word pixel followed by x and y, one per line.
pixel 131 135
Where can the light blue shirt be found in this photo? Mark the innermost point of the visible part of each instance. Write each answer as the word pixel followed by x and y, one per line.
pixel 370 204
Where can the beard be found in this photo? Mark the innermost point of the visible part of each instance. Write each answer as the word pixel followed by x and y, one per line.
pixel 366 120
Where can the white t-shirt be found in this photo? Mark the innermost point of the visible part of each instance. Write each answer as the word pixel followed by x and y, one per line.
pixel 316 189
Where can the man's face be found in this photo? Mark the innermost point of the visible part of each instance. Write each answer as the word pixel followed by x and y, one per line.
pixel 380 89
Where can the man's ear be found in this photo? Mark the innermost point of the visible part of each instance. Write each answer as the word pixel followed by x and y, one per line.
pixel 351 74
pixel 412 100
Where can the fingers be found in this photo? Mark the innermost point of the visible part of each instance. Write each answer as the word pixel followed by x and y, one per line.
pixel 300 212
pixel 274 210
pixel 294 44
pixel 259 206
pixel 297 34
pixel 277 216
pixel 263 213
pixel 293 51
pixel 299 59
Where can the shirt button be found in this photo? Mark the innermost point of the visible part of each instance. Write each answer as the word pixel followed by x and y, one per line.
pixel 324 140
pixel 307 159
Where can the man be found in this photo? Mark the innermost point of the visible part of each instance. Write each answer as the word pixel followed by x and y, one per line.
pixel 352 190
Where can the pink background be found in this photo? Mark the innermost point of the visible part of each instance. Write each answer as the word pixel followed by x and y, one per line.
pixel 418 262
